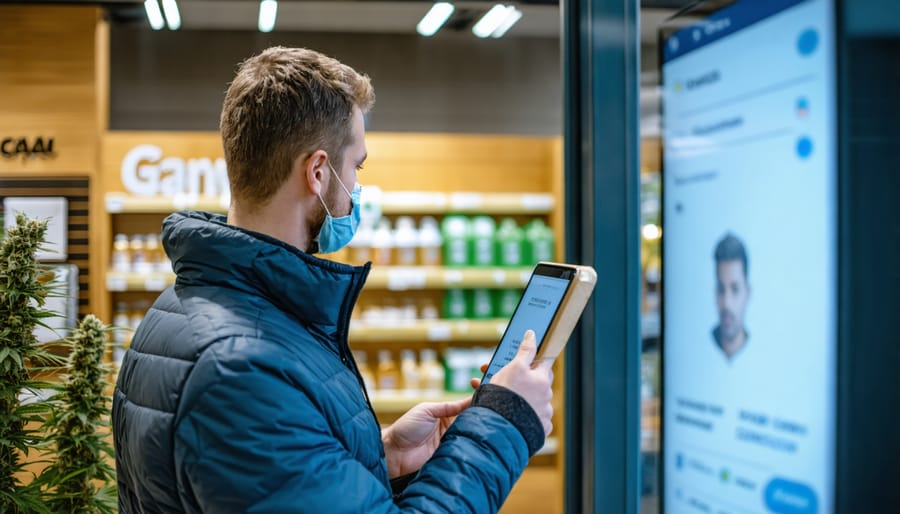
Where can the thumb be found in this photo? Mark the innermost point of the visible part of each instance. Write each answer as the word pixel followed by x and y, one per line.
pixel 528 348
pixel 448 409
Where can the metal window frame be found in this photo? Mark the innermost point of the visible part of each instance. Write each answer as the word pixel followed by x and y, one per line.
pixel 601 70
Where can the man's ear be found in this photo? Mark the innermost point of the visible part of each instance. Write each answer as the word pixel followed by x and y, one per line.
pixel 312 167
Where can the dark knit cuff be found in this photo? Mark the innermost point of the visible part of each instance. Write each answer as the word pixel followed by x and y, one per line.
pixel 514 409
pixel 399 484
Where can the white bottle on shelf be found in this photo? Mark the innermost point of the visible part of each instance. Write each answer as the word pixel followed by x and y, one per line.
pixel 362 363
pixel 387 375
pixel 121 336
pixel 406 241
pixel 430 242
pixel 483 229
pixel 409 373
pixel 382 243
pixel 409 310
pixel 431 373
pixel 121 255
pixel 361 245
pixel 138 310
pixel 153 253
pixel 428 309
pixel 138 252
pixel 370 199
pixel 391 311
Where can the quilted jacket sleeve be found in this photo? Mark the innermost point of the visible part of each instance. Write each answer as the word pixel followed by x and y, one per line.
pixel 253 442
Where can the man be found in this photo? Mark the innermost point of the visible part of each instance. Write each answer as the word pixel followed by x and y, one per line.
pixel 732 292
pixel 239 392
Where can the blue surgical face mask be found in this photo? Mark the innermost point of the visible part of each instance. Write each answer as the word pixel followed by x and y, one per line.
pixel 337 232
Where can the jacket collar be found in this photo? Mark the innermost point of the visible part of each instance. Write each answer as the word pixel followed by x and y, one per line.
pixel 206 251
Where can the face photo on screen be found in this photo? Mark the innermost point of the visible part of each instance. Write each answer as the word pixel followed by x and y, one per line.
pixel 732 295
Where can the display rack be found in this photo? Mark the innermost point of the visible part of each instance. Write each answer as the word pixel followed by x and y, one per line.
pixel 392 203
pixel 398 278
pixel 459 331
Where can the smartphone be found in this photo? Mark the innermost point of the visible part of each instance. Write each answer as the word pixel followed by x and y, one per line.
pixel 551 305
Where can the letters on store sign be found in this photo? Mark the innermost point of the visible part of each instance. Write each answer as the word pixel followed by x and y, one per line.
pixel 12 147
pixel 146 173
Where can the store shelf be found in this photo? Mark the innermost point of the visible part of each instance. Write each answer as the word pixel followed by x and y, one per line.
pixel 393 203
pixel 402 401
pixel 551 446
pixel 437 330
pixel 118 281
pixel 117 203
pixel 417 202
pixel 398 278
pixel 394 278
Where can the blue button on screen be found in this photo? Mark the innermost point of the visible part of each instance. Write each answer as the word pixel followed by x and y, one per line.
pixel 804 147
pixel 788 497
pixel 808 42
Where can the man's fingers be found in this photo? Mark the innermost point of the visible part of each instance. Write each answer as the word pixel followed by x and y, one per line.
pixel 528 348
pixel 447 409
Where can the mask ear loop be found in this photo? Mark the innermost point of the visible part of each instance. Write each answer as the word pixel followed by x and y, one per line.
pixel 341 182
pixel 323 205
pixel 321 200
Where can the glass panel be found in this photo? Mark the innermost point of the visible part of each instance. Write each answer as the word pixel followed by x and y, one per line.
pixel 651 232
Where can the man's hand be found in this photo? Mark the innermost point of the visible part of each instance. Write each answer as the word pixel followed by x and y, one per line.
pixel 413 438
pixel 530 380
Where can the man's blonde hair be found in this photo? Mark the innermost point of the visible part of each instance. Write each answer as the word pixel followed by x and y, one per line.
pixel 283 103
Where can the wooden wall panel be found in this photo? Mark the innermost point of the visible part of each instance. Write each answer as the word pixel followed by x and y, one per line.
pixel 48 86
pixel 456 162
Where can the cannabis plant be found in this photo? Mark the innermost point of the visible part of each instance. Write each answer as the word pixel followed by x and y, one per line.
pixel 78 429
pixel 22 296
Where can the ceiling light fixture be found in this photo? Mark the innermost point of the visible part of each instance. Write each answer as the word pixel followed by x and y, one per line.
pixel 172 14
pixel 268 10
pixel 154 15
pixel 435 18
pixel 512 16
pixel 496 21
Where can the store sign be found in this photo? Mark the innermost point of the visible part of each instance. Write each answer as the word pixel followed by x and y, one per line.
pixel 12 147
pixel 145 172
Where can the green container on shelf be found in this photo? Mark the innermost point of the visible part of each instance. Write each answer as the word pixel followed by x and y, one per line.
pixel 505 301
pixel 456 233
pixel 483 230
pixel 540 243
pixel 509 242
pixel 480 303
pixel 455 304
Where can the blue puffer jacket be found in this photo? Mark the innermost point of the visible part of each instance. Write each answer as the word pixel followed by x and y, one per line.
pixel 239 394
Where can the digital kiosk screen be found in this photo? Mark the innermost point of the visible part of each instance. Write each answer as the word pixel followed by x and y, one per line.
pixel 749 235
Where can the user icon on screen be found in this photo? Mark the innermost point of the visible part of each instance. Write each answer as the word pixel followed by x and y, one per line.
pixel 732 292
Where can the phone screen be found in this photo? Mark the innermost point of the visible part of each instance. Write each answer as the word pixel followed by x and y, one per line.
pixel 537 307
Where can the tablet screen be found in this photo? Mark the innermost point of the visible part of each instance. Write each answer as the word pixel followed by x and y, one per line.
pixel 543 295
